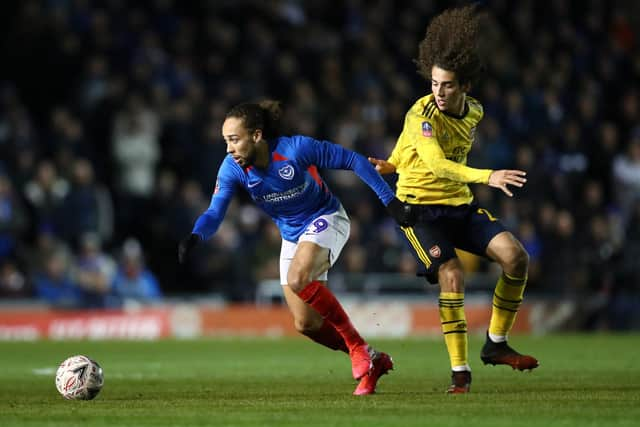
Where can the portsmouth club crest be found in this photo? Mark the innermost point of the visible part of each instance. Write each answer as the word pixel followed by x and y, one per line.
pixel 286 172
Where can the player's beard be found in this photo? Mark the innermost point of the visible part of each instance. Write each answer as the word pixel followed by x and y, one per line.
pixel 249 159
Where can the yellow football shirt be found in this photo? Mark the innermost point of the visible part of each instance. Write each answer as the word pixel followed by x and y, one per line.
pixel 430 155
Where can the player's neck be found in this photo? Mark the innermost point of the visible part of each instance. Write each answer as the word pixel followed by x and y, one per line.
pixel 262 154
pixel 460 110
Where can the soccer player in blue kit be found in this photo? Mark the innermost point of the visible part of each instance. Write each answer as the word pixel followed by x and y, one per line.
pixel 281 175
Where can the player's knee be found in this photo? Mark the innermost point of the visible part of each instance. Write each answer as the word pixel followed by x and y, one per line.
pixel 297 279
pixel 516 260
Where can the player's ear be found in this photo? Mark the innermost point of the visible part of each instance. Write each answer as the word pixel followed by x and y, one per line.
pixel 466 87
pixel 257 135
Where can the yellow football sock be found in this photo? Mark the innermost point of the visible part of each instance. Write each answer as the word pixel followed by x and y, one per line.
pixel 507 298
pixel 454 327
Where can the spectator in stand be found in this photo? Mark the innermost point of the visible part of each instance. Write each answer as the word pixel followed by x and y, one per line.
pixel 87 208
pixel 67 135
pixel 158 230
pixel 54 283
pixel 624 306
pixel 93 271
pixel 181 136
pixel 626 173
pixel 45 193
pixel 13 283
pixel 136 150
pixel 134 283
pixel 208 151
pixel 215 268
pixel 601 158
pixel 266 257
pixel 13 218
pixel 559 258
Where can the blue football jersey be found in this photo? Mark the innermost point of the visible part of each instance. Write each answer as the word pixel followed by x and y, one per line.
pixel 290 190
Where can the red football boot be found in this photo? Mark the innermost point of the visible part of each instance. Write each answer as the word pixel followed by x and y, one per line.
pixel 501 354
pixel 382 363
pixel 460 382
pixel 361 363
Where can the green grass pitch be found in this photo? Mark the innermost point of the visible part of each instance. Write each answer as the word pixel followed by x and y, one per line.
pixel 583 380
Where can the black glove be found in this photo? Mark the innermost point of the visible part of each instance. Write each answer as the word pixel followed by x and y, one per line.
pixel 186 245
pixel 401 212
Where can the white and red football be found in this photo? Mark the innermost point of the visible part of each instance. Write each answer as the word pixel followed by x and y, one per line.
pixel 79 378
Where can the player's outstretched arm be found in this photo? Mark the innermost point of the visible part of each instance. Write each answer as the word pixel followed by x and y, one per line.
pixel 383 167
pixel 501 178
pixel 208 222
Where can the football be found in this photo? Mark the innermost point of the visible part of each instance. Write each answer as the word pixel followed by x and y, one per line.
pixel 79 378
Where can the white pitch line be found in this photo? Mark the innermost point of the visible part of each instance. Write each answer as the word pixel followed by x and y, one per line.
pixel 44 371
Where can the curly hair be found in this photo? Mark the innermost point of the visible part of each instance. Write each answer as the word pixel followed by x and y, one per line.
pixel 264 115
pixel 452 43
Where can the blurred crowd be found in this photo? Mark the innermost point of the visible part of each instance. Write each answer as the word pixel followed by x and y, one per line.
pixel 110 117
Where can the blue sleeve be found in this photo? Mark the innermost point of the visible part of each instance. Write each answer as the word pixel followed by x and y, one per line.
pixel 327 155
pixel 207 224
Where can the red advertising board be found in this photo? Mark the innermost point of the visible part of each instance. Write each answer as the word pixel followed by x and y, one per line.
pixel 383 319
pixel 34 324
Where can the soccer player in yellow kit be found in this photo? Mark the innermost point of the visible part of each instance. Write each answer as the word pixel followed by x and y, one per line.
pixel 430 158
